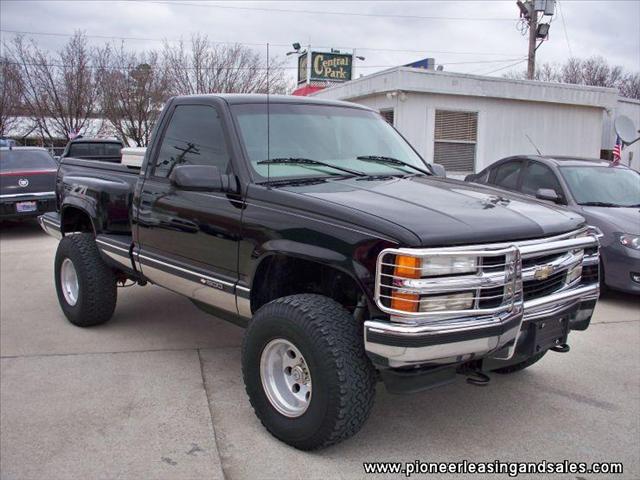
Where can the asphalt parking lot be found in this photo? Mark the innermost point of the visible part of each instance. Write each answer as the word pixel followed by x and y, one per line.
pixel 157 393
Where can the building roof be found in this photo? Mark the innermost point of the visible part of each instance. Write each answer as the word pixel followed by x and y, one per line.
pixel 448 83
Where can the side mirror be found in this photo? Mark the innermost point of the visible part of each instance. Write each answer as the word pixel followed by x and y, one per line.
pixel 439 170
pixel 626 130
pixel 199 177
pixel 548 194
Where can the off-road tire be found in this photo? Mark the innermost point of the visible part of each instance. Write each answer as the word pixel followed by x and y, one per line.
pixel 97 292
pixel 522 365
pixel 343 378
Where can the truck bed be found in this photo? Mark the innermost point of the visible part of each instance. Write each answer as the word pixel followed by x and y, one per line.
pixel 103 190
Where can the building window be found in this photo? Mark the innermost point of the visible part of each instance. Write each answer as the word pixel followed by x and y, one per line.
pixel 455 139
pixel 387 115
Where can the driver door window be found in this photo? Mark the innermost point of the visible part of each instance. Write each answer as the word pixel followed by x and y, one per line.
pixel 538 176
pixel 506 175
pixel 194 136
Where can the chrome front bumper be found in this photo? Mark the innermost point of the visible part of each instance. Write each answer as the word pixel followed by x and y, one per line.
pixel 431 340
pixel 455 341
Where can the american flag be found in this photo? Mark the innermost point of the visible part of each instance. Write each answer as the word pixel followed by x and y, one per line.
pixel 617 151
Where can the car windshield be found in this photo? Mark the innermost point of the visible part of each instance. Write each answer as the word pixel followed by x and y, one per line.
pixel 604 186
pixel 329 134
pixel 26 160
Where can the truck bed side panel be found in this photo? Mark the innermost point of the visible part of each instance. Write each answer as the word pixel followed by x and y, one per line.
pixel 103 191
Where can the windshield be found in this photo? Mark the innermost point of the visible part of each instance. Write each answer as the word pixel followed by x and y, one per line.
pixel 619 187
pixel 26 160
pixel 334 135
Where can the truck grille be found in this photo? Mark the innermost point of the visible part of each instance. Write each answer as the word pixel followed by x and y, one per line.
pixel 481 280
pixel 540 288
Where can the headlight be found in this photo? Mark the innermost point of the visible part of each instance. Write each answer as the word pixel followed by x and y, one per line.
pixel 409 269
pixel 456 301
pixel 630 241
pixel 448 265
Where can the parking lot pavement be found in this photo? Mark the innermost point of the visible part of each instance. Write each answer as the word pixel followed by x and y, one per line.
pixel 158 393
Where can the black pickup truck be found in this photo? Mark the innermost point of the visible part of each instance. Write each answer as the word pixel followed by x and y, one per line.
pixel 316 226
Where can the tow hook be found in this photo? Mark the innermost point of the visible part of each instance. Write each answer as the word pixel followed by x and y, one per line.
pixel 477 378
pixel 564 348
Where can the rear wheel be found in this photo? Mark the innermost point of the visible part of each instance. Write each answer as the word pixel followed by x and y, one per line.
pixel 86 286
pixel 306 372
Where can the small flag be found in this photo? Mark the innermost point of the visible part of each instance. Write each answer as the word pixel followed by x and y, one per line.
pixel 617 151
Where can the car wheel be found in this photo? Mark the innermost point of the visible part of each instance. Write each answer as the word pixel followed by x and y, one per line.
pixel 86 286
pixel 306 372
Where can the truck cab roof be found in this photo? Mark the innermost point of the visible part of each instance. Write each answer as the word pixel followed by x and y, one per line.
pixel 258 98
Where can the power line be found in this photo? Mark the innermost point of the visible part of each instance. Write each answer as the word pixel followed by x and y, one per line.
pixel 287 45
pixel 522 60
pixel 564 26
pixel 111 67
pixel 115 37
pixel 324 12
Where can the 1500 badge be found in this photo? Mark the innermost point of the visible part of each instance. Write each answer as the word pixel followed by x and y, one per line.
pixel 211 283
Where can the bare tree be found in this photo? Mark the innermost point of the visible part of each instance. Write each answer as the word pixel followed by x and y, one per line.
pixel 59 91
pixel 10 95
pixel 593 71
pixel 133 89
pixel 211 68
pixel 630 86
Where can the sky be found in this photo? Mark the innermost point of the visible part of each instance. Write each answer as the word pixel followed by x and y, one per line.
pixel 479 37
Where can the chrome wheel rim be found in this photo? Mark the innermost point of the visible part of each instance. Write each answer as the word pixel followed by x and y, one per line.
pixel 69 282
pixel 285 377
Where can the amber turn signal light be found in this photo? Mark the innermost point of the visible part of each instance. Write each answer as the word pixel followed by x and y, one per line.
pixel 407 267
pixel 407 302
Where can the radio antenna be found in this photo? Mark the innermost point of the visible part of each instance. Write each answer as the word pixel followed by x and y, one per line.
pixel 268 121
pixel 534 145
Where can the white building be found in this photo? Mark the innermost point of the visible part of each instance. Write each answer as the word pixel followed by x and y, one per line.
pixel 467 122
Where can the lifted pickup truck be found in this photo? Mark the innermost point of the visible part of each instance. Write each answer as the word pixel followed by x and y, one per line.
pixel 316 225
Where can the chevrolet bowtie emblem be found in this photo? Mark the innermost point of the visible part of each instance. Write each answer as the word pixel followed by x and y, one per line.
pixel 543 272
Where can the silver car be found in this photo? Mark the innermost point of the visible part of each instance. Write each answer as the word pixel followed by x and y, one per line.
pixel 607 196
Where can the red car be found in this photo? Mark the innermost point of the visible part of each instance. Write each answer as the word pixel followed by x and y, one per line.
pixel 27 182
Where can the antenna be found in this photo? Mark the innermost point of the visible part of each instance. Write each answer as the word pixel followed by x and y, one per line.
pixel 268 132
pixel 534 145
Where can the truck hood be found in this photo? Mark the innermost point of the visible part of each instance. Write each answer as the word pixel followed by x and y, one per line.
pixel 443 211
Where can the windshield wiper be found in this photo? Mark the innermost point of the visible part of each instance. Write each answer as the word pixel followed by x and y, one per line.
pixel 308 161
pixel 599 204
pixel 392 161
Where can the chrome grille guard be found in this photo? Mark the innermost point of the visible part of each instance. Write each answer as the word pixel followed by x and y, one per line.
pixel 500 282
pixel 493 286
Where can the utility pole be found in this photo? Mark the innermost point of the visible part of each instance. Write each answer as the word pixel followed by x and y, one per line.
pixel 533 25
pixel 529 10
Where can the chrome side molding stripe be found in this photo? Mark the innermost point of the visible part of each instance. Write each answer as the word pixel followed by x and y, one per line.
pixel 191 283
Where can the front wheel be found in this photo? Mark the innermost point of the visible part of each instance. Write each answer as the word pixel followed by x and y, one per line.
pixel 86 286
pixel 306 371
pixel 522 365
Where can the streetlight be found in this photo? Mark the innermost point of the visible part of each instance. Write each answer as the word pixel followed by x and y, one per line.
pixel 296 49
